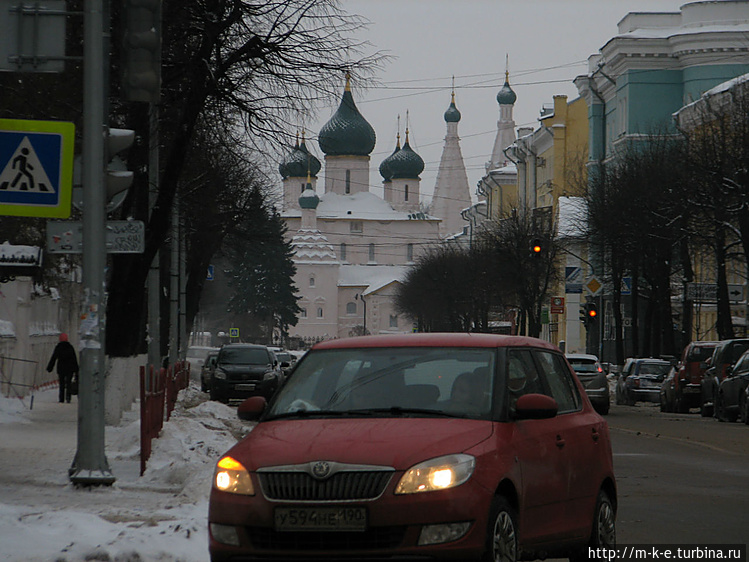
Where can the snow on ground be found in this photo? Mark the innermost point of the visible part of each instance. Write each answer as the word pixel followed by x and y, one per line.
pixel 161 516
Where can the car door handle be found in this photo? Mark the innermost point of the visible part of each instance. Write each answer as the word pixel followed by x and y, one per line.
pixel 560 442
pixel 595 435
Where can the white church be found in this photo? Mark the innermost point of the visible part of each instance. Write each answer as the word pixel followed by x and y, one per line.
pixel 352 247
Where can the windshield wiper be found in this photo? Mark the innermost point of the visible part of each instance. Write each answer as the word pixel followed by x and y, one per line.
pixel 307 414
pixel 401 411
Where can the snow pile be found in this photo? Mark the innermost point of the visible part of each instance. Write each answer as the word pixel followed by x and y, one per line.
pixel 161 516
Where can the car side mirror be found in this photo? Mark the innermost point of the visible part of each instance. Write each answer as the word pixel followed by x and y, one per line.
pixel 535 407
pixel 252 408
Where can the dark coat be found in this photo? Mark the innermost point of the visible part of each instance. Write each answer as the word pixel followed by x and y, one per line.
pixel 64 355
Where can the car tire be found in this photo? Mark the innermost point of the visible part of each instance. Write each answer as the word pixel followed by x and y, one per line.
pixel 743 410
pixel 705 410
pixel 212 393
pixel 502 533
pixel 603 409
pixel 603 531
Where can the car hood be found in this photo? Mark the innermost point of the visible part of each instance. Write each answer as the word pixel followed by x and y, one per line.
pixel 395 442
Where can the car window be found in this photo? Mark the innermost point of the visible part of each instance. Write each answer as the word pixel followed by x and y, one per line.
pixel 742 364
pixel 559 380
pixel 244 356
pixel 522 376
pixel 654 369
pixel 700 353
pixel 359 380
pixel 584 365
pixel 736 350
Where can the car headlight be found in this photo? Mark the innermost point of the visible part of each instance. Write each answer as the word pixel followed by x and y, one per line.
pixel 437 474
pixel 230 476
pixel 220 374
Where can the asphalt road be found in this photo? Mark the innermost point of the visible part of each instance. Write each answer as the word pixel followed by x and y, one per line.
pixel 682 479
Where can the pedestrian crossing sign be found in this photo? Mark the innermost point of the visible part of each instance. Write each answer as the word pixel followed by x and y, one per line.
pixel 36 168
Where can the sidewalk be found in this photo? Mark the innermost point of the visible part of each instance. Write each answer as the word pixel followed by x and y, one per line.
pixel 158 516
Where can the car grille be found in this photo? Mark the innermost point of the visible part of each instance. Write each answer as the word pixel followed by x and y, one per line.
pixel 373 538
pixel 300 486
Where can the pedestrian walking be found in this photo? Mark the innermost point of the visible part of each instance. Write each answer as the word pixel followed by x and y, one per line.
pixel 67 366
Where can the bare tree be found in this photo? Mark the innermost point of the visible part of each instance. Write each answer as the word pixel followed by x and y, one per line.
pixel 248 69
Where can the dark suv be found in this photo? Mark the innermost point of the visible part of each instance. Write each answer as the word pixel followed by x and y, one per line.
pixel 726 353
pixel 243 370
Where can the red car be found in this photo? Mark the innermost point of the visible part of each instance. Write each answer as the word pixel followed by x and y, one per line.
pixel 445 446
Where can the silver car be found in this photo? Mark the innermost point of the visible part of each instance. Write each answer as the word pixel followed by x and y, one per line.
pixel 591 374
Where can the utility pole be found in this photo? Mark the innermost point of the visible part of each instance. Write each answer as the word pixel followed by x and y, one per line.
pixel 90 466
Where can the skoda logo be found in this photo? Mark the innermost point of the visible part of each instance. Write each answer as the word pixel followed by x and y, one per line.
pixel 321 469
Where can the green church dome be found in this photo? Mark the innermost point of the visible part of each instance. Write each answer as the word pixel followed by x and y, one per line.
pixel 347 133
pixel 452 115
pixel 385 171
pixel 299 162
pixel 506 96
pixel 309 199
pixel 405 163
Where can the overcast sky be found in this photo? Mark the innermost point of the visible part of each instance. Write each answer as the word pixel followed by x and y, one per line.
pixel 547 42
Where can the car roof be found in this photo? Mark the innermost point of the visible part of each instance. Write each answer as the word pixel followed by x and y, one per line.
pixel 436 339
pixel 586 356
pixel 653 360
pixel 244 346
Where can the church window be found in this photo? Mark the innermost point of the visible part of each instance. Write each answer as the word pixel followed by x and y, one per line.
pixel 311 281
pixel 410 252
pixel 393 320
pixel 356 226
pixel 405 194
pixel 371 252
pixel 320 312
pixel 351 309
pixel 348 181
pixel 303 313
pixel 302 190
pixel 343 251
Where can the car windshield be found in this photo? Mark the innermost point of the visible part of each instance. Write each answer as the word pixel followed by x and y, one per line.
pixel 654 369
pixel 390 382
pixel 737 350
pixel 583 366
pixel 244 356
pixel 284 357
pixel 700 353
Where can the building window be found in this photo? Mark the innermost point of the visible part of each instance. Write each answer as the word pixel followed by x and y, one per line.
pixel 303 313
pixel 319 312
pixel 348 181
pixel 371 252
pixel 356 226
pixel 303 186
pixel 343 251
pixel 311 281
pixel 393 320
pixel 405 195
pixel 351 309
pixel 410 252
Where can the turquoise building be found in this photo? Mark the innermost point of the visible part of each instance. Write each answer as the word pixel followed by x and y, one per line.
pixel 657 63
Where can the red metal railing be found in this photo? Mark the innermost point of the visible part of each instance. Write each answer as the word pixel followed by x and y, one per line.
pixel 158 395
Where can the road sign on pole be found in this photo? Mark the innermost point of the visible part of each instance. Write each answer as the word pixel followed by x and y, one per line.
pixel 36 168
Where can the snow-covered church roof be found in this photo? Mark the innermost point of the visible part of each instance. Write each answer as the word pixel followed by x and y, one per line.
pixel 361 206
pixel 373 278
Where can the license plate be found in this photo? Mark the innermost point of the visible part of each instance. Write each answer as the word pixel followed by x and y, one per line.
pixel 320 518
pixel 244 387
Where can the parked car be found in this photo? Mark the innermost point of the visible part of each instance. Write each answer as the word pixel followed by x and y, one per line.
pixel 681 391
pixel 206 371
pixel 196 356
pixel 730 400
pixel 590 372
pixel 640 381
pixel 725 355
pixel 418 445
pixel 285 360
pixel 243 370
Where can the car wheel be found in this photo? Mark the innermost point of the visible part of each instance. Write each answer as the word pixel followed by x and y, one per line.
pixel 664 406
pixel 618 400
pixel 718 412
pixel 603 409
pixel 502 536
pixel 603 533
pixel 212 392
pixel 705 410
pixel 743 410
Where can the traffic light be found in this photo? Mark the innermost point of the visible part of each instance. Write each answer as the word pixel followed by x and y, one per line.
pixel 118 178
pixel 141 52
pixel 536 247
pixel 588 313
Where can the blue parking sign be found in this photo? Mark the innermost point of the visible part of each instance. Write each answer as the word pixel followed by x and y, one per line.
pixel 36 168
